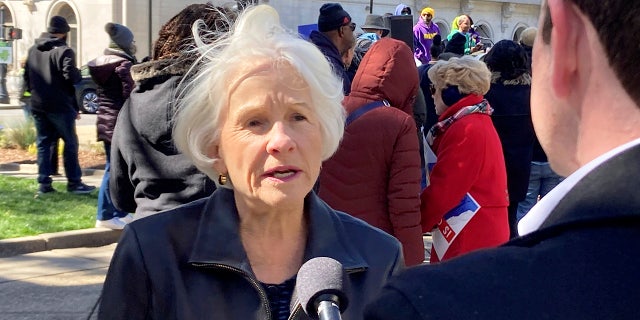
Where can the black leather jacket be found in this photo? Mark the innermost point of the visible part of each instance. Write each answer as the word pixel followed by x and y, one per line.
pixel 189 263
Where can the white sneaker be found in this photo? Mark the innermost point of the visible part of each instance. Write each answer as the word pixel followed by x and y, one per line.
pixel 114 224
pixel 127 219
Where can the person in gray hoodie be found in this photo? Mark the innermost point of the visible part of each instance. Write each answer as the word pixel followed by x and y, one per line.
pixel 403 10
pixel 148 173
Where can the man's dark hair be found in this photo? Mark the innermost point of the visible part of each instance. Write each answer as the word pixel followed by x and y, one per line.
pixel 618 25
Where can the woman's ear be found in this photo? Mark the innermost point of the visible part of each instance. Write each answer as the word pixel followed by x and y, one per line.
pixel 218 162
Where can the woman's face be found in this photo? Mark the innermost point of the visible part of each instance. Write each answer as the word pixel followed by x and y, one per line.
pixel 270 142
pixel 464 24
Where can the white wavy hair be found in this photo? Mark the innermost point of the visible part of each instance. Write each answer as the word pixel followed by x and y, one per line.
pixel 256 35
pixel 469 74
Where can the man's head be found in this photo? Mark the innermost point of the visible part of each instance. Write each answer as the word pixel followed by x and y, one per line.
pixel 527 37
pixel 336 24
pixel 427 14
pixel 58 25
pixel 375 24
pixel 456 44
pixel 584 93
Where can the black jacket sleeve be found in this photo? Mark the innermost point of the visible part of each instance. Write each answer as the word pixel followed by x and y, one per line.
pixel 126 293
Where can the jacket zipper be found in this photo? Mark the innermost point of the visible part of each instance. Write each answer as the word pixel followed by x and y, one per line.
pixel 295 312
pixel 254 283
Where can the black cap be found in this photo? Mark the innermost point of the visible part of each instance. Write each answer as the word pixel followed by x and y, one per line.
pixel 332 17
pixel 58 24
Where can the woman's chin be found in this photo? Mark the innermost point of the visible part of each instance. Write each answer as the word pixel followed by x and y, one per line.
pixel 283 194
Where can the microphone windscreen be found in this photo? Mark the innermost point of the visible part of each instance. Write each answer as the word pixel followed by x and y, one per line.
pixel 320 276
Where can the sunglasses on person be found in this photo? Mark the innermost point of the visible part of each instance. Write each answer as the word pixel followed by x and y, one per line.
pixel 432 89
pixel 351 25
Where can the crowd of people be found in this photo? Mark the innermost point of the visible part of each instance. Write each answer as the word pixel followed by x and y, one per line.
pixel 239 151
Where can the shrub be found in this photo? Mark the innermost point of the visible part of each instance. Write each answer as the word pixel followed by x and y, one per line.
pixel 19 135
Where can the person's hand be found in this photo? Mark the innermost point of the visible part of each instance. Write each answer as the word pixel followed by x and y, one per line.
pixel 477 48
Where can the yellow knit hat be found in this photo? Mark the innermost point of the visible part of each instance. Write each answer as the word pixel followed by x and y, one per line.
pixel 428 10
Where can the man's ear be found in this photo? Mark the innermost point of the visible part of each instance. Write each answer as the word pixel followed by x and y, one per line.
pixel 567 26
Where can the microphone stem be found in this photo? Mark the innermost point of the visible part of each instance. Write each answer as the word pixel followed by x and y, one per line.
pixel 328 310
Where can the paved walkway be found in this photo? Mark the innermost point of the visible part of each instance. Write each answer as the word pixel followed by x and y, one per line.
pixel 56 284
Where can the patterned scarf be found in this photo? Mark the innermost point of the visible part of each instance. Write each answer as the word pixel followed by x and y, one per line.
pixel 442 126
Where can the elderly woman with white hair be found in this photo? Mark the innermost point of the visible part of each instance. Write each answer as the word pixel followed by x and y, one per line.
pixel 260 114
pixel 465 205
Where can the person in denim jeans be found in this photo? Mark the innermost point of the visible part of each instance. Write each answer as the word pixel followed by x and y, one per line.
pixel 50 73
pixel 112 74
pixel 541 180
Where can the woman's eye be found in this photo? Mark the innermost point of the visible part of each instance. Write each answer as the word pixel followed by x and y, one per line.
pixel 299 117
pixel 253 123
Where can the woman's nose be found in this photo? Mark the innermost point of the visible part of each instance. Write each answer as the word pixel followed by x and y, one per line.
pixel 280 139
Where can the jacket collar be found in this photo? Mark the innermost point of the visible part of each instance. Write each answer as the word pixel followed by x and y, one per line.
pixel 609 191
pixel 466 101
pixel 120 53
pixel 608 195
pixel 160 68
pixel 218 241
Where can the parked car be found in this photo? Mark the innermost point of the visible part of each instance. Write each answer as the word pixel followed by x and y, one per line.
pixel 86 92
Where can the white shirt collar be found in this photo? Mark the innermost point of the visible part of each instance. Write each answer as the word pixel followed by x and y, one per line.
pixel 539 213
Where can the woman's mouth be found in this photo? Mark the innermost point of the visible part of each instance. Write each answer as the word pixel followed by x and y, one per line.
pixel 283 174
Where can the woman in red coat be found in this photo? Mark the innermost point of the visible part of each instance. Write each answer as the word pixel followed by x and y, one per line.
pixel 465 205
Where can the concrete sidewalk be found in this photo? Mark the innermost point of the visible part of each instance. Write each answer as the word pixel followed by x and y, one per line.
pixel 54 275
pixel 56 284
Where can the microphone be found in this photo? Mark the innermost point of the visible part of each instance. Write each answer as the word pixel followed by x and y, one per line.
pixel 319 286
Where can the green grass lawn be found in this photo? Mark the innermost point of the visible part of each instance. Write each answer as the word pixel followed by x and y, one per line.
pixel 22 213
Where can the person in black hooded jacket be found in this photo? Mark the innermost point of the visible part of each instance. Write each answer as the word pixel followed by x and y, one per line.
pixel 112 73
pixel 50 73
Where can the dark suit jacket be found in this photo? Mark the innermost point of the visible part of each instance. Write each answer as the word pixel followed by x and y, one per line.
pixel 581 264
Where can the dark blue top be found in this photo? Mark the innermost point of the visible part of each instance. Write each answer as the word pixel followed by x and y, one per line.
pixel 279 296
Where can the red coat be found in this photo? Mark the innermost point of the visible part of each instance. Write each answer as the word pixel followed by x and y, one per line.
pixel 469 162
pixel 375 174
